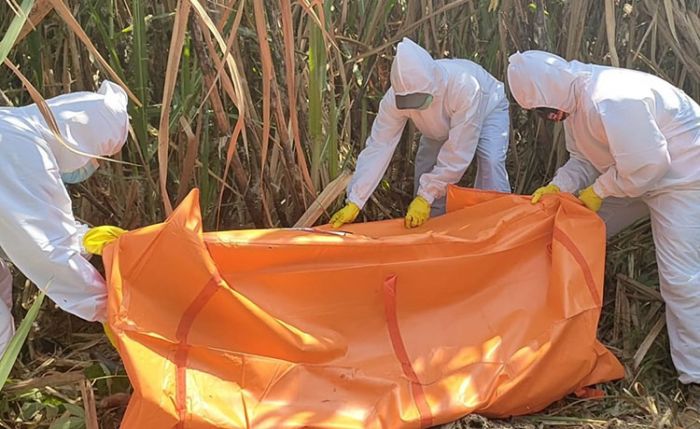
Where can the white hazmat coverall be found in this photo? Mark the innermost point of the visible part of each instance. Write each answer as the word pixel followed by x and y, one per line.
pixel 636 139
pixel 468 115
pixel 38 232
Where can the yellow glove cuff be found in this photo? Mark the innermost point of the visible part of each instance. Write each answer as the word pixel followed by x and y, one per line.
pixel 98 237
pixel 590 199
pixel 110 335
pixel 418 212
pixel 345 215
pixel 544 190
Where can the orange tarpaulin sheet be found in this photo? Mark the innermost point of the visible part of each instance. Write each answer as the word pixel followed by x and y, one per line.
pixel 491 308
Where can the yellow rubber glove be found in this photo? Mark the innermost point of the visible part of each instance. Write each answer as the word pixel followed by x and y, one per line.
pixel 98 237
pixel 544 190
pixel 418 212
pixel 590 199
pixel 110 335
pixel 345 215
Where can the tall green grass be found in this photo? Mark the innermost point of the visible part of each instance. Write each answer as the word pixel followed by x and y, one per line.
pixel 336 56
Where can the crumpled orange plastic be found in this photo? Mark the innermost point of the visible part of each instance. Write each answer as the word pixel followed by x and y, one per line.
pixel 491 308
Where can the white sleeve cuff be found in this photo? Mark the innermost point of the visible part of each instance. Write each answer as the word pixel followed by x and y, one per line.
pixel 353 199
pixel 599 190
pixel 564 185
pixel 429 198
pixel 82 229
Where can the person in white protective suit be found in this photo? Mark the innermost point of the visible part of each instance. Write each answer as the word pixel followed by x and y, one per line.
pixel 38 232
pixel 634 145
pixel 460 110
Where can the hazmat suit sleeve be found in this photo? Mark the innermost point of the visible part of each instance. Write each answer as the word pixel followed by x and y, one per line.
pixel 638 147
pixel 577 173
pixel 458 150
pixel 40 235
pixel 375 157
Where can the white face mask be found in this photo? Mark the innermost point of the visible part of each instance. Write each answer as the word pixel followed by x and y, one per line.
pixel 81 174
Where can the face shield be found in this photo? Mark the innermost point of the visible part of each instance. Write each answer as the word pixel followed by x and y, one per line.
pixel 415 101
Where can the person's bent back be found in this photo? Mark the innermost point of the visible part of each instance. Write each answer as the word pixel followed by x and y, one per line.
pixel 38 231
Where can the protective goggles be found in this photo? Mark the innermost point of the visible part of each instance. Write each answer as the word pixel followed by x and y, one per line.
pixel 416 100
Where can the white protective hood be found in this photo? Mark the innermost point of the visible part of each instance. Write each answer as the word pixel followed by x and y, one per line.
pixel 414 70
pixel 541 79
pixel 92 123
